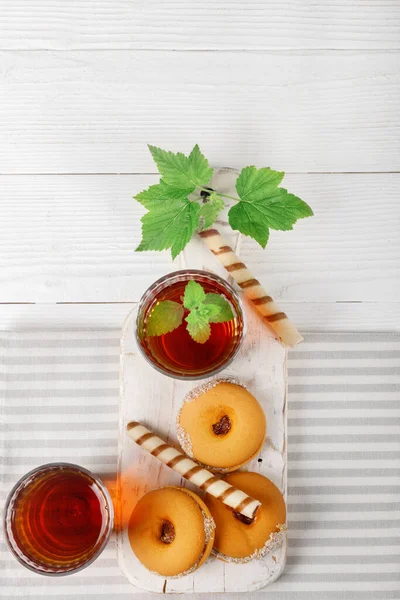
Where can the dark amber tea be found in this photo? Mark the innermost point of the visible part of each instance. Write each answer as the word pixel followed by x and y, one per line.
pixel 58 519
pixel 176 353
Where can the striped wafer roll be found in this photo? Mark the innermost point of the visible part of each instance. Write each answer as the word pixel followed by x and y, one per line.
pixel 191 471
pixel 269 311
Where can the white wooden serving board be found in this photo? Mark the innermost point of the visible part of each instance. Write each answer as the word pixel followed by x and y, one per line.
pixel 154 399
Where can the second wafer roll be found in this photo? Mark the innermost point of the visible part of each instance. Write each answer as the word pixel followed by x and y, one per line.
pixel 191 471
pixel 270 312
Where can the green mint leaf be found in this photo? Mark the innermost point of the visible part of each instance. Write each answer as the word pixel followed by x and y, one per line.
pixel 182 171
pixel 211 209
pixel 263 205
pixel 198 326
pixel 210 312
pixel 169 226
pixel 225 313
pixel 204 309
pixel 161 194
pixel 194 295
pixel 165 317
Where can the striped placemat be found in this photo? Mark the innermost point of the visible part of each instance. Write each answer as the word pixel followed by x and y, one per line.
pixel 59 401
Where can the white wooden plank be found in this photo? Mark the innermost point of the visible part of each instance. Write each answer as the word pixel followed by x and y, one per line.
pixel 72 239
pixel 199 24
pixel 310 316
pixel 95 111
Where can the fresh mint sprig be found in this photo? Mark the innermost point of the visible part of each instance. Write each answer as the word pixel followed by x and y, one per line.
pixel 182 204
pixel 165 317
pixel 204 308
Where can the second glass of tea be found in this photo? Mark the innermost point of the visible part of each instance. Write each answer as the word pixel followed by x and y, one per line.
pixel 58 519
pixel 175 353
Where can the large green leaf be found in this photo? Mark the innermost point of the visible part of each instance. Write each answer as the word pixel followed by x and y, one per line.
pixel 263 205
pixel 169 227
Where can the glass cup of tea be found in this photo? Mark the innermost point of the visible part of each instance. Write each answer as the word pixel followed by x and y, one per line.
pixel 175 353
pixel 58 519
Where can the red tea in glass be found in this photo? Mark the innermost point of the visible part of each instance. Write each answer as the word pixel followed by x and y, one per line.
pixel 58 519
pixel 176 354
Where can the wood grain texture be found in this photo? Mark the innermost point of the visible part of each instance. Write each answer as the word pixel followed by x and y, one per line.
pixel 72 239
pixel 94 112
pixel 198 24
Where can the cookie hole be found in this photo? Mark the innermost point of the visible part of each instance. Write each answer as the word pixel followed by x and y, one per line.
pixel 167 532
pixel 223 426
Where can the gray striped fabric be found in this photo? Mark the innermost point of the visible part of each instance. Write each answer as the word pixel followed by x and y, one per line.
pixel 59 401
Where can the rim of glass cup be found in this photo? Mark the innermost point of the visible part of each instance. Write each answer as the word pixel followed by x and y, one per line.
pixel 7 517
pixel 159 285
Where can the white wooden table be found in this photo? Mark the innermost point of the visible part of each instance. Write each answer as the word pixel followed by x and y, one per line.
pixel 309 87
